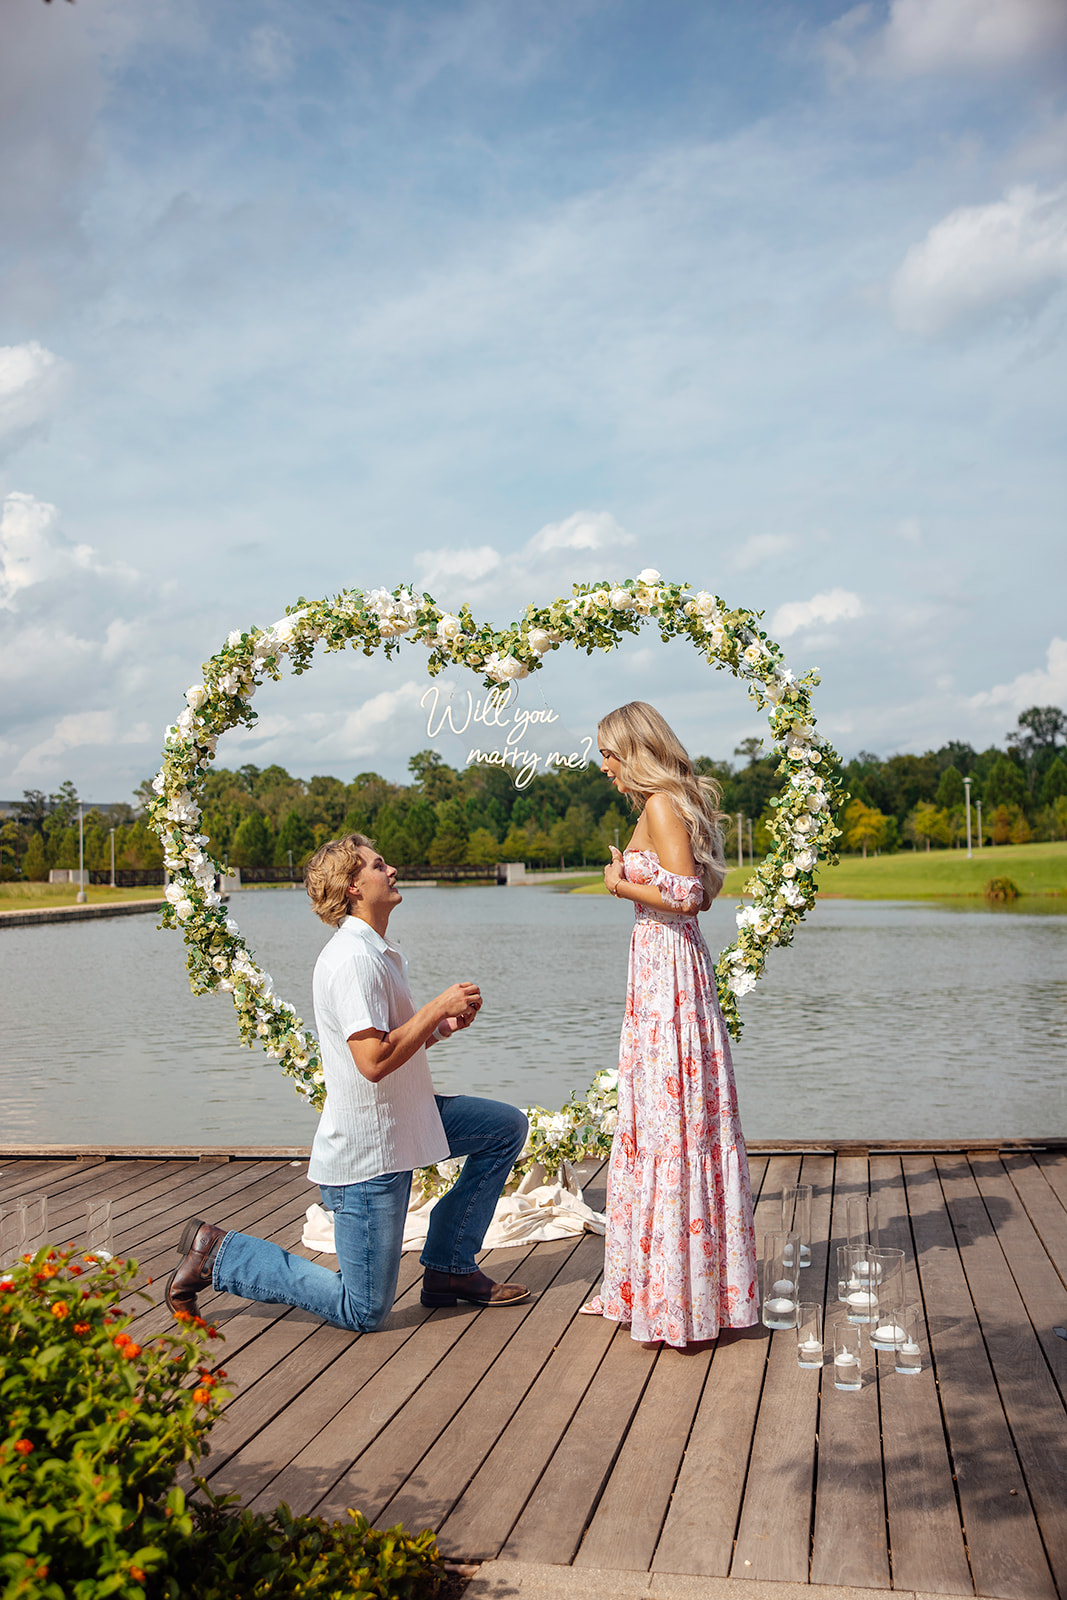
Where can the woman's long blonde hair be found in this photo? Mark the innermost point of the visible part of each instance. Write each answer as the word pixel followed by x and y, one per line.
pixel 653 760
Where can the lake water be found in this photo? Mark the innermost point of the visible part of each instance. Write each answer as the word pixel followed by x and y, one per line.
pixel 883 1020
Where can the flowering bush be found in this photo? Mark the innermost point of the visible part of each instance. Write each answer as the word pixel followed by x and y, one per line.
pixel 595 617
pixel 95 1427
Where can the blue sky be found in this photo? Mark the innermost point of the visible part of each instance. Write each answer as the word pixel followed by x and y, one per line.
pixel 492 297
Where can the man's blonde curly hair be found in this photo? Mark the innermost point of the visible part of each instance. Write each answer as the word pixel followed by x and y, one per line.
pixel 330 872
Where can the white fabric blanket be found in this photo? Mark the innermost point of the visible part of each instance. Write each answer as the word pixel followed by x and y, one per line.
pixel 536 1211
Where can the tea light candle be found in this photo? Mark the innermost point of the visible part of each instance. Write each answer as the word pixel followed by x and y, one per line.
pixel 863 1300
pixel 783 1286
pixel 909 1348
pixel 845 1358
pixel 887 1334
pixel 780 1306
pixel 810 1347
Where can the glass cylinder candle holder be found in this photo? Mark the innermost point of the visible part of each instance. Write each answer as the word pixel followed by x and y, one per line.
pixel 796 1216
pixel 11 1226
pixel 809 1334
pixel 855 1289
pixel 887 1283
pixel 99 1239
pixel 780 1267
pixel 861 1222
pixel 34 1212
pixel 907 1355
pixel 848 1356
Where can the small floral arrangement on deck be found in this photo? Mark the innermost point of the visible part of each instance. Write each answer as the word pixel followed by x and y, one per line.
pixel 595 617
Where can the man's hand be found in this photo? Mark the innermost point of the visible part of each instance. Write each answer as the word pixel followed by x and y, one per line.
pixel 463 1000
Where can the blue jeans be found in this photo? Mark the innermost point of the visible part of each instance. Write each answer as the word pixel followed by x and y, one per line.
pixel 368 1223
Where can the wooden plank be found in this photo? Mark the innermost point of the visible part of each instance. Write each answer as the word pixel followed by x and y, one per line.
pixel 849 1544
pixel 927 1548
pixel 291 1382
pixel 57 1178
pixel 626 1524
pixel 555 1516
pixel 1003 1540
pixel 486 1346
pixel 1044 1207
pixel 698 1534
pixel 160 1152
pixel 1028 1255
pixel 450 1465
pixel 1054 1168
pixel 313 1476
pixel 774 1526
pixel 1028 1394
pixel 491 1504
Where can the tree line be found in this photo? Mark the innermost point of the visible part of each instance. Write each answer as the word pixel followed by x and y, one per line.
pixel 262 817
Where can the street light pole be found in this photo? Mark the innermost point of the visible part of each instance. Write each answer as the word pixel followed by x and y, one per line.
pixel 978 803
pixel 740 857
pixel 967 787
pixel 80 899
pixel 111 831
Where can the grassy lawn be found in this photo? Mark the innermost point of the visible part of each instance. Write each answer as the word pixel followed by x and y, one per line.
pixel 1039 869
pixel 23 896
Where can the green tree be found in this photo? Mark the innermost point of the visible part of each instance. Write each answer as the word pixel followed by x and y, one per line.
pixel 1054 783
pixel 483 848
pixel 449 847
pixel 863 827
pixel 35 862
pixel 294 836
pixel 436 781
pixel 251 843
pixel 1005 785
pixel 928 822
pixel 950 791
pixel 63 806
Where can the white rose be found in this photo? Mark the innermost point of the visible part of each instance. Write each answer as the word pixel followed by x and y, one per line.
pixel 540 640
pixel 608 1079
pixel 650 575
pixel 233 639
pixel 601 597
pixel 174 892
pixel 159 782
pixel 196 696
pixel 717 635
pixel 704 605
pixel 183 910
pixel 742 983
pixel 752 654
pixel 621 599
pixel 806 859
pixel 803 823
pixel 284 629
pixel 449 627
pixel 609 1121
pixel 789 870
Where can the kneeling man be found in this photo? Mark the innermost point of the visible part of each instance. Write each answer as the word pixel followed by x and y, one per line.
pixel 381 1120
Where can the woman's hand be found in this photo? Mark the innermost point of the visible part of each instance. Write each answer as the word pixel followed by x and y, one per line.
pixel 613 872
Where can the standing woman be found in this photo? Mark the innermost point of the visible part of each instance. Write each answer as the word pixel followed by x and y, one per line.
pixel 680 1251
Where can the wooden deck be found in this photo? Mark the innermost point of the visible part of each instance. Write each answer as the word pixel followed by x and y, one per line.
pixel 535 1436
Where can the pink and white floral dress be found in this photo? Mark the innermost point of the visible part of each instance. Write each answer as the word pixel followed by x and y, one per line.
pixel 680 1251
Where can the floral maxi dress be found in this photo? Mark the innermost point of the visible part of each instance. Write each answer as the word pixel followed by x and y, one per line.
pixel 680 1251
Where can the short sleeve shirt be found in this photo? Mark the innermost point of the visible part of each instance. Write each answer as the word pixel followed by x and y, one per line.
pixel 367 1129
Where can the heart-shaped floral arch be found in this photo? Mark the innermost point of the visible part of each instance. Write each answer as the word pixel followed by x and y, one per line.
pixel 782 887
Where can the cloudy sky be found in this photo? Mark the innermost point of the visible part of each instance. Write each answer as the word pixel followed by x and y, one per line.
pixel 490 297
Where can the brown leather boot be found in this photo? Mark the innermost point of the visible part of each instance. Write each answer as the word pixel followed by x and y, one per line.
pixel 445 1288
pixel 197 1247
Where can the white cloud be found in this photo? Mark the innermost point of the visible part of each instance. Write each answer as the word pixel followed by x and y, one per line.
pixel 952 35
pixel 270 54
pixel 444 566
pixel 1044 686
pixel 80 728
pixel 832 606
pixel 32 383
pixel 32 549
pixel 910 530
pixel 582 530
pixel 980 256
pixel 759 548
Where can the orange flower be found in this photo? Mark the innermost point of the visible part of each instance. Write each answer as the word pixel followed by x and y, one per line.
pixel 48 1269
pixel 60 1309
pixel 182 1316
pixel 213 1333
pixel 201 1396
pixel 6 1286
pixel 137 1575
pixel 24 1447
pixel 81 1327
pixel 121 1339
pixel 132 1351
pixel 75 1270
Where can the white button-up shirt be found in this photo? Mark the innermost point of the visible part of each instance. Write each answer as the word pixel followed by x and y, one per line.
pixel 367 1129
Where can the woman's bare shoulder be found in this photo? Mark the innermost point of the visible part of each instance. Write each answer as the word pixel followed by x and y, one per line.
pixel 668 834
